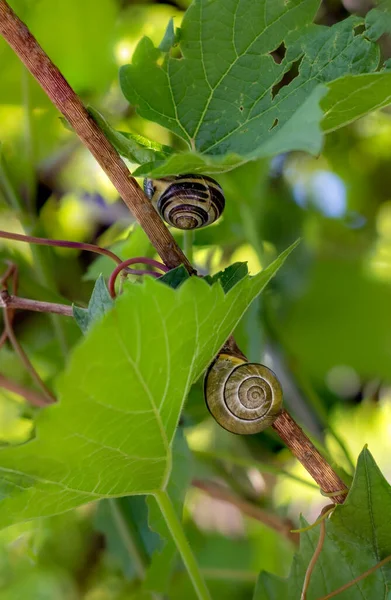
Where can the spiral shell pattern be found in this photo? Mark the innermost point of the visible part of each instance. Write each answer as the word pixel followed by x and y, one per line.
pixel 243 397
pixel 186 201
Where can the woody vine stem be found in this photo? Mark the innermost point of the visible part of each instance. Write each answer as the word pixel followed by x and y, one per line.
pixel 69 104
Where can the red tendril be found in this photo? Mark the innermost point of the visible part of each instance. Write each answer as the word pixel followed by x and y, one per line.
pixel 30 239
pixel 134 261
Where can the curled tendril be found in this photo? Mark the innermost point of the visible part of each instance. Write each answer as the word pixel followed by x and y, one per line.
pixel 342 492
pixel 326 512
pixel 135 261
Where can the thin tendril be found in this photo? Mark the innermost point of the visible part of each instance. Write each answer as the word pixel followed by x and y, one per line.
pixel 31 396
pixel 316 555
pixel 3 338
pixel 133 261
pixel 317 522
pixel 30 239
pixel 357 579
pixel 12 271
pixel 334 494
pixel 24 358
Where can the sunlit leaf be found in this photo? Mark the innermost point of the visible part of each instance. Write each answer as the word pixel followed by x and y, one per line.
pixel 225 96
pixel 100 303
pixel 169 37
pixel 230 276
pixel 134 147
pixel 352 97
pixel 357 538
pixel 175 277
pixel 121 396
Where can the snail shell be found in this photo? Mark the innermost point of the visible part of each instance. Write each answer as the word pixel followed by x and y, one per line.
pixel 243 397
pixel 186 201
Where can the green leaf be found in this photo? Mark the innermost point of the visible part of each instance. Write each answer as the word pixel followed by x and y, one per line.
pixel 230 276
pixel 121 396
pixel 129 525
pixel 378 20
pixel 175 277
pixel 224 96
pixel 132 146
pixel 303 128
pixel 100 303
pixel 358 536
pixel 192 162
pixel 169 37
pixel 124 523
pixel 352 97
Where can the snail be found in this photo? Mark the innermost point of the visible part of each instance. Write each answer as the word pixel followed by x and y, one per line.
pixel 186 201
pixel 243 397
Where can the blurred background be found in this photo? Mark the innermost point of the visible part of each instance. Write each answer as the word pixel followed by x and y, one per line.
pixel 324 324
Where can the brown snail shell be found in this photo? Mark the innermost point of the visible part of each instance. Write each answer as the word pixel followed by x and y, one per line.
pixel 243 397
pixel 186 201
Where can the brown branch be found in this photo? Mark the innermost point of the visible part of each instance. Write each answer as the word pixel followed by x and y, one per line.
pixel 7 301
pixel 304 450
pixel 251 510
pixel 69 104
pixel 16 388
pixel 56 87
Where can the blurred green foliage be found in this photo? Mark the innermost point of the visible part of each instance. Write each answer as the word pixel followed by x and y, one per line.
pixel 324 324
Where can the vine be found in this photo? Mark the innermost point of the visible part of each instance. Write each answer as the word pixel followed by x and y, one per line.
pixel 254 385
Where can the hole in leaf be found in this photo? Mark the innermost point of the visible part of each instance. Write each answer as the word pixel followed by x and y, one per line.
pixel 241 108
pixel 275 123
pixel 287 78
pixel 279 53
pixel 281 50
pixel 359 29
pixel 175 52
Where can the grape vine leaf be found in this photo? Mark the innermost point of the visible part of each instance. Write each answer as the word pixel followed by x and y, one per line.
pixel 230 276
pixel 124 523
pixel 134 147
pixel 169 37
pixel 358 536
pixel 354 96
pixel 225 96
pixel 227 278
pixel 100 302
pixel 175 277
pixel 120 397
pixel 378 20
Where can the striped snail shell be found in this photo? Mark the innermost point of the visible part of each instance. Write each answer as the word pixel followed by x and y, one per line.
pixel 186 201
pixel 243 397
